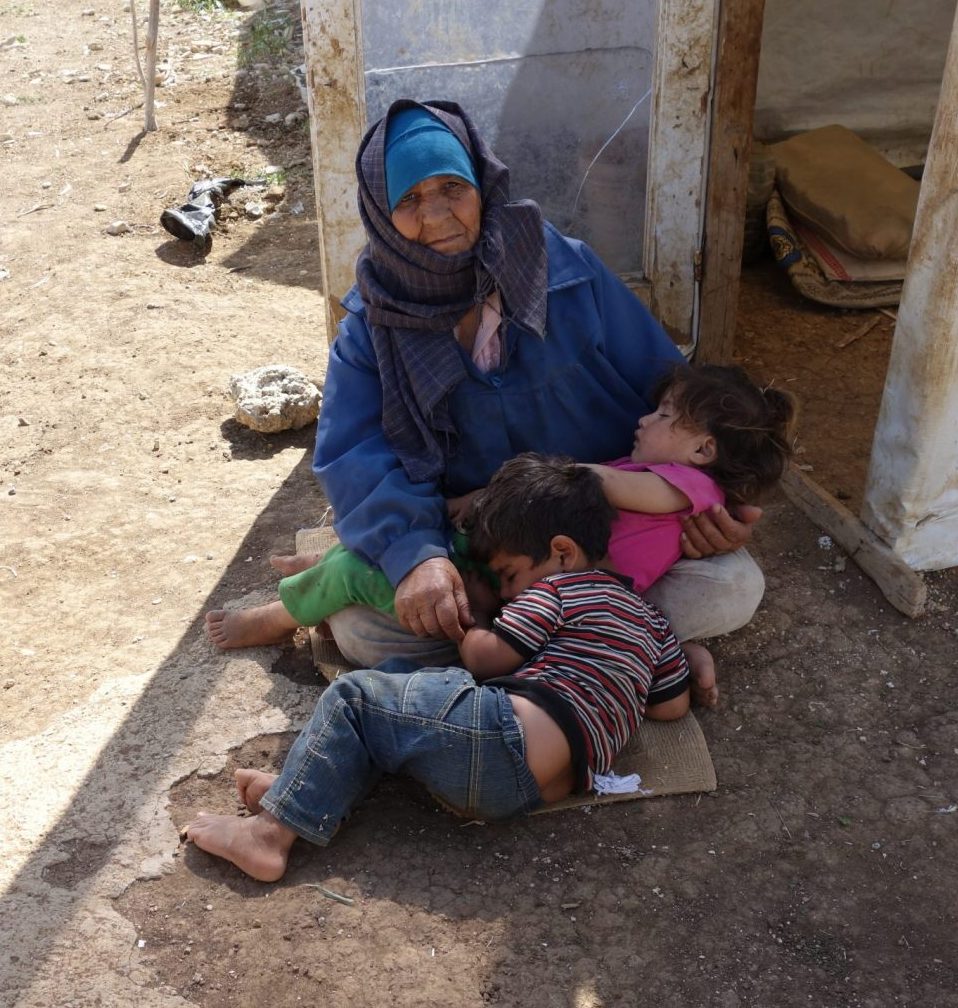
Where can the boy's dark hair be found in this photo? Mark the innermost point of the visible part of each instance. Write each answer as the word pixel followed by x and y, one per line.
pixel 752 426
pixel 532 498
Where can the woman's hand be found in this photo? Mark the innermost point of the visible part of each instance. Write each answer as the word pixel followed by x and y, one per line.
pixel 716 531
pixel 431 601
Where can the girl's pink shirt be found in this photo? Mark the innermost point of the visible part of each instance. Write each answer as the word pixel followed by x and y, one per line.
pixel 644 546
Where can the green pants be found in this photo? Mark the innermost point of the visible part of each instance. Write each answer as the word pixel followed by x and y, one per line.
pixel 342 579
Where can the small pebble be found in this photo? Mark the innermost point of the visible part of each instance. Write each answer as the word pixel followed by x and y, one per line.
pixel 118 227
pixel 99 207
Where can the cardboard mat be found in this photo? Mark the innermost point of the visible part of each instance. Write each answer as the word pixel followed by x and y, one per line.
pixel 671 757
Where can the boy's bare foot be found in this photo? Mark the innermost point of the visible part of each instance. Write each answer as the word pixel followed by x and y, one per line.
pixel 265 624
pixel 258 845
pixel 294 564
pixel 251 786
pixel 702 667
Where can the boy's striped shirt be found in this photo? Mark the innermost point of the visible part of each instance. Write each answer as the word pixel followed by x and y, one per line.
pixel 599 646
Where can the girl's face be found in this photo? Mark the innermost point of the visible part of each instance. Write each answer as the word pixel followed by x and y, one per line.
pixel 443 213
pixel 658 438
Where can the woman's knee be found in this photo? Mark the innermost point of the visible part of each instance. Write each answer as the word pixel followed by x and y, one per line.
pixel 706 598
pixel 367 637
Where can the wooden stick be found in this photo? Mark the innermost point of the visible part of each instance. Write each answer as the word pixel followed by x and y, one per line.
pixel 857 334
pixel 902 586
pixel 35 208
pixel 892 315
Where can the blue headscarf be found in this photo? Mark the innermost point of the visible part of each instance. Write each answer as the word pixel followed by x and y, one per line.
pixel 414 296
pixel 420 146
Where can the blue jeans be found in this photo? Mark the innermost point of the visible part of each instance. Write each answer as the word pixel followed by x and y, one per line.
pixel 438 726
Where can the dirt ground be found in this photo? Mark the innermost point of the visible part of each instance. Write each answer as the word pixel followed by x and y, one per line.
pixel 823 870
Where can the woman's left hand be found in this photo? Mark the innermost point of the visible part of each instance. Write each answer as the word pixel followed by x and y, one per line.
pixel 431 601
pixel 716 531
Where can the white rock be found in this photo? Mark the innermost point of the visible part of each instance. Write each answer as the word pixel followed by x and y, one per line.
pixel 254 210
pixel 11 99
pixel 273 398
pixel 118 227
pixel 273 118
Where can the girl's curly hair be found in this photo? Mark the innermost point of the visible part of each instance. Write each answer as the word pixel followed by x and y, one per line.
pixel 752 426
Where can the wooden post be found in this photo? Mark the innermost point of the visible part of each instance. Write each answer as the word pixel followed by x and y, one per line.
pixel 898 582
pixel 677 151
pixel 738 47
pixel 911 493
pixel 336 97
pixel 149 83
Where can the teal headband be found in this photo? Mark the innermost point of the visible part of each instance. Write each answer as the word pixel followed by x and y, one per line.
pixel 420 146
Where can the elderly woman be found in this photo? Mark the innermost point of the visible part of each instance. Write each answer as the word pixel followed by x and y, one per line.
pixel 476 331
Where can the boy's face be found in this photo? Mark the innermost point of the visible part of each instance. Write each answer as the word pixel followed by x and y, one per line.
pixel 658 438
pixel 516 571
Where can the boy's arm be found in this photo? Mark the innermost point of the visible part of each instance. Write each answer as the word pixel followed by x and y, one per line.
pixel 640 491
pixel 484 652
pixel 486 655
pixel 669 710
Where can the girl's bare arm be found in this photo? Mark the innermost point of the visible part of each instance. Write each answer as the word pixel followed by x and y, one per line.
pixel 639 491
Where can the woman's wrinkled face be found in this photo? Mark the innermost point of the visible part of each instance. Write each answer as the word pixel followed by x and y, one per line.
pixel 443 213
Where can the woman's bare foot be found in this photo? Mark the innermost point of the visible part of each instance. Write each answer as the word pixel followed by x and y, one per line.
pixel 702 667
pixel 294 564
pixel 251 786
pixel 265 624
pixel 258 845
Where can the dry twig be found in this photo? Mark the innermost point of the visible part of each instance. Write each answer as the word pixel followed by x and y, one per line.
pixel 857 334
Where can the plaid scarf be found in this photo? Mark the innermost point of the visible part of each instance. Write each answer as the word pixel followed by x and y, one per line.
pixel 414 296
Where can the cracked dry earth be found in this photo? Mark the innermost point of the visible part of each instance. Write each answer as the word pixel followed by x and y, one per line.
pixel 821 872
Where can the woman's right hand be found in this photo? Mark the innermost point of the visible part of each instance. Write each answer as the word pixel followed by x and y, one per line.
pixel 431 601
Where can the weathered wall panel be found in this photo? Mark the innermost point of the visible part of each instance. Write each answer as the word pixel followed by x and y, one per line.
pixel 873 67
pixel 549 83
